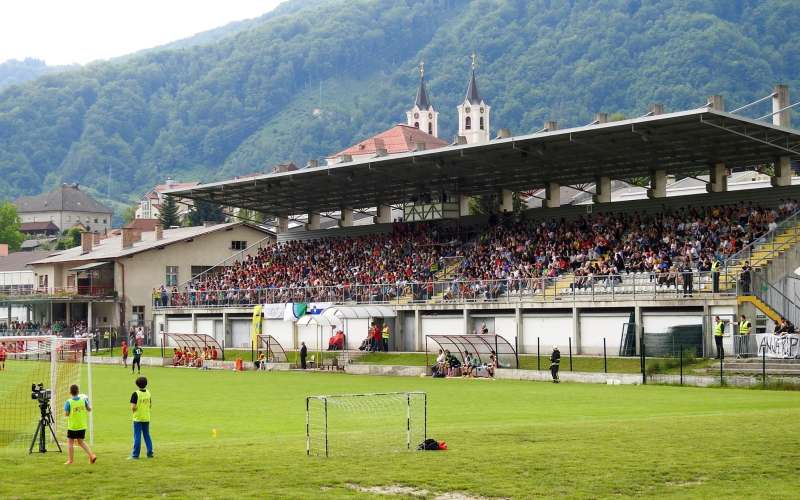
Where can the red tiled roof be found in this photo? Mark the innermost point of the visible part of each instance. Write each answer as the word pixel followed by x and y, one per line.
pixel 143 224
pixel 27 227
pixel 398 139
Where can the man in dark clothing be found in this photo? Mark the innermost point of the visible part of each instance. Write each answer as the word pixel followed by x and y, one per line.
pixel 686 274
pixel 303 354
pixel 555 359
pixel 744 278
pixel 137 359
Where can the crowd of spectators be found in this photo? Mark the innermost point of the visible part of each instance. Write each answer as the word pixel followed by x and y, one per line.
pixel 509 255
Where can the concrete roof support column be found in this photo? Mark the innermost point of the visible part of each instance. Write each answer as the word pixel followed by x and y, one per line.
pixel 783 169
pixel 576 329
pixel 658 184
pixel 552 195
pixel 466 322
pixel 346 219
pixel 384 214
pixel 519 330
pixel 282 225
pixel 718 179
pixel 463 205
pixel 506 201
pixel 783 172
pixel 602 190
pixel 313 222
pixel 420 338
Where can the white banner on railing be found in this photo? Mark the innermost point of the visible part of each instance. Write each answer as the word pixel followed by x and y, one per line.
pixel 778 346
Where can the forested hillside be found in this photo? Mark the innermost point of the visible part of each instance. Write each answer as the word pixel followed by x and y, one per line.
pixel 325 73
pixel 14 71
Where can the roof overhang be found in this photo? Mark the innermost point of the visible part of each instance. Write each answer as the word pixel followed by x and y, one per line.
pixel 680 143
pixel 90 266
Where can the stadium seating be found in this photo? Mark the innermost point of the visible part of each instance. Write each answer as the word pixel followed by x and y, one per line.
pixel 610 254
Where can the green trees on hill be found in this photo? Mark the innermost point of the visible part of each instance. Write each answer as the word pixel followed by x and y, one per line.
pixel 168 216
pixel 294 88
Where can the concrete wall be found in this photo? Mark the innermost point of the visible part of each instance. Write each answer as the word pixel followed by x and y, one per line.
pixel 598 326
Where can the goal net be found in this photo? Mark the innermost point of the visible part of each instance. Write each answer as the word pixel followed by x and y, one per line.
pixel 350 424
pixel 54 362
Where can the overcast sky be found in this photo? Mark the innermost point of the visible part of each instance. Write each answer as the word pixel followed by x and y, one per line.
pixel 80 31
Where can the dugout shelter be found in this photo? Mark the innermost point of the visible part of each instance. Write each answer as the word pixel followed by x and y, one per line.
pixel 480 345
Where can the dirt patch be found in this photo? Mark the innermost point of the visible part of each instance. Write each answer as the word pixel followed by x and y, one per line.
pixel 410 491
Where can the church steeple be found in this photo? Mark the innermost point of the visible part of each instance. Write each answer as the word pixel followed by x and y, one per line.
pixel 473 113
pixel 423 116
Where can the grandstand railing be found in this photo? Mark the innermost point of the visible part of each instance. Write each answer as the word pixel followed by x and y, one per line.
pixel 59 292
pixel 769 245
pixel 634 286
pixel 775 298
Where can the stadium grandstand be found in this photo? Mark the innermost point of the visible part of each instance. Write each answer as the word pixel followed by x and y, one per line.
pixel 679 251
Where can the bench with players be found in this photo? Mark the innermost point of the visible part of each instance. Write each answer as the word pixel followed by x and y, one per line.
pixel 193 357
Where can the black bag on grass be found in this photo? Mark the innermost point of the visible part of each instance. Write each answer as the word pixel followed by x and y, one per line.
pixel 428 444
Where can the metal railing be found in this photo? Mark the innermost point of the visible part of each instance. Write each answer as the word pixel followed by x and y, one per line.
pixel 769 244
pixel 634 286
pixel 59 292
pixel 774 298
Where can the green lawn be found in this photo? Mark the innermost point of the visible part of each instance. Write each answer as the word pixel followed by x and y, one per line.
pixel 506 439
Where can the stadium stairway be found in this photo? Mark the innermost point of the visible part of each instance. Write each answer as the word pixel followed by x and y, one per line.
pixel 762 253
pixel 753 366
pixel 760 305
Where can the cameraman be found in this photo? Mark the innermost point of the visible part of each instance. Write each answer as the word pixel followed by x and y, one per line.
pixel 77 409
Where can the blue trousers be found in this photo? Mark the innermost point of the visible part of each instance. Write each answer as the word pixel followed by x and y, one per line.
pixel 139 429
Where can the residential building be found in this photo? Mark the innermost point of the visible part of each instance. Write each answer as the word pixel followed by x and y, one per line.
pixel 109 281
pixel 65 207
pixel 150 204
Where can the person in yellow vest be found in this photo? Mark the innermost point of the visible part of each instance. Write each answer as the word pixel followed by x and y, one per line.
pixel 77 409
pixel 715 275
pixel 719 331
pixel 385 337
pixel 744 326
pixel 140 406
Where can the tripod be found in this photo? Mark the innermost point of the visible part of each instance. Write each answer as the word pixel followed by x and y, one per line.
pixel 45 421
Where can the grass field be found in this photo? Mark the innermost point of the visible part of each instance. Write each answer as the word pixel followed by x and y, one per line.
pixel 506 439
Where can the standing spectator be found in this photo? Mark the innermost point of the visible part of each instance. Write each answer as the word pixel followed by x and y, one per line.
pixel 303 355
pixel 141 403
pixel 2 357
pixel 385 337
pixel 139 336
pixel 687 276
pixel 77 409
pixel 719 331
pixel 555 360
pixel 125 353
pixel 164 296
pixel 744 326
pixel 744 278
pixel 715 274
pixel 137 358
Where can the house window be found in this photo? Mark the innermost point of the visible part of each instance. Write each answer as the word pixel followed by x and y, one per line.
pixel 468 123
pixel 95 221
pixel 42 281
pixel 481 123
pixel 196 270
pixel 172 276
pixel 430 128
pixel 71 281
pixel 416 124
pixel 138 315
pixel 238 245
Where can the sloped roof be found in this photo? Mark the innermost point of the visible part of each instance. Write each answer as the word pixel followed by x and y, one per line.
pixel 398 139
pixel 143 224
pixel 27 227
pixel 67 197
pixel 18 261
pixel 472 90
pixel 111 247
pixel 422 101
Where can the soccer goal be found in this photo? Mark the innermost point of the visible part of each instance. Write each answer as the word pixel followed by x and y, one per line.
pixel 351 424
pixel 54 362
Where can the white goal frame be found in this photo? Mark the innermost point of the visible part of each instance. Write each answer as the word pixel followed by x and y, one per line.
pixel 54 344
pixel 325 399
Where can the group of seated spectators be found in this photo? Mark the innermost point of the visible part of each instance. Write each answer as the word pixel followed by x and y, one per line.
pixel 193 357
pixel 508 255
pixel 448 365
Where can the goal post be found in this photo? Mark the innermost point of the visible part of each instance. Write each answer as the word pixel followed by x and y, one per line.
pixel 348 424
pixel 54 362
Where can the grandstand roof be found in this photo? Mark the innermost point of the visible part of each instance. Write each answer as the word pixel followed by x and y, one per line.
pixel 680 143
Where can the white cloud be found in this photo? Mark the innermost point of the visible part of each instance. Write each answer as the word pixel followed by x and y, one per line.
pixel 80 31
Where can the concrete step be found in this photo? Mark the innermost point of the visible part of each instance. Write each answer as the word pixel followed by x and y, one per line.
pixel 754 371
pixel 758 361
pixel 752 366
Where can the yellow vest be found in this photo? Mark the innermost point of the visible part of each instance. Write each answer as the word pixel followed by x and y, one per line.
pixel 78 419
pixel 719 329
pixel 744 328
pixel 385 332
pixel 143 403
pixel 715 266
